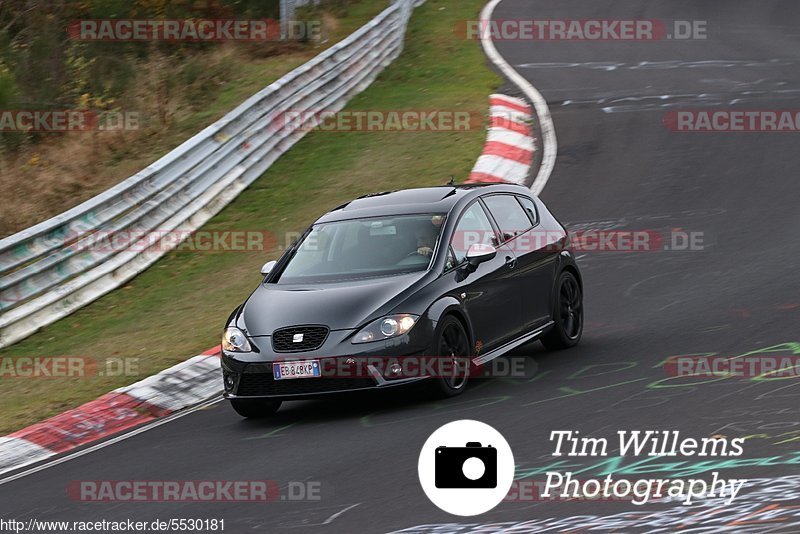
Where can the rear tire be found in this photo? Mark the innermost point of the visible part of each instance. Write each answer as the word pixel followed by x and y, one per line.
pixel 452 342
pixel 255 408
pixel 567 314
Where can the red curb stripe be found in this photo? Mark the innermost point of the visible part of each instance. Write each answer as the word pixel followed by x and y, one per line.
pixel 97 419
pixel 482 177
pixel 499 101
pixel 216 351
pixel 520 155
pixel 508 124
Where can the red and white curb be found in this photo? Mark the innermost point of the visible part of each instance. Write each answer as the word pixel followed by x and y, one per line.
pixel 181 386
pixel 510 145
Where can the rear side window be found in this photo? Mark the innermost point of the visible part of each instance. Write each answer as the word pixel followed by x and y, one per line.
pixel 508 213
pixel 530 208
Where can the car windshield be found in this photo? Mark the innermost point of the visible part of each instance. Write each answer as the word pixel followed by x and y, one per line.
pixel 364 248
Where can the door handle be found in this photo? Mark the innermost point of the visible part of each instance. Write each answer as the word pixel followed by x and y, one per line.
pixel 511 262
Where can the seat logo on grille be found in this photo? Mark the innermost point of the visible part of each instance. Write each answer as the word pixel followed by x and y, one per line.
pixel 297 338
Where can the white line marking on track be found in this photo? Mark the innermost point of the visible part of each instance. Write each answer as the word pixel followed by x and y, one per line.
pixel 340 512
pixel 117 439
pixel 550 143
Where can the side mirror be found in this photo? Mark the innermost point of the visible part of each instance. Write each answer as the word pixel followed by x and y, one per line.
pixel 479 253
pixel 267 268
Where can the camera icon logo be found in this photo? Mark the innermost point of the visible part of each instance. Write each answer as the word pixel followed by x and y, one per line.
pixel 464 476
pixel 472 466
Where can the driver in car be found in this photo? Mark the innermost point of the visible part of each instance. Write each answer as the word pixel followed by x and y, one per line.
pixel 426 239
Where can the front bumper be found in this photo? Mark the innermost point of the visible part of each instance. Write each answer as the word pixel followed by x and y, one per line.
pixel 346 367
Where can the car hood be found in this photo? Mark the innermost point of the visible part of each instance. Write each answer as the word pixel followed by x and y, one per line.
pixel 340 306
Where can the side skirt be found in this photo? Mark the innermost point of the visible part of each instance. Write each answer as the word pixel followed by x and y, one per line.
pixel 499 351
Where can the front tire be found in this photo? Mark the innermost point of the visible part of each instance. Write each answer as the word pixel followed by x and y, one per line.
pixel 452 342
pixel 567 314
pixel 255 408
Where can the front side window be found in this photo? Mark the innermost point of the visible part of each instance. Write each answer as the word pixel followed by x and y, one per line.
pixel 474 227
pixel 364 248
pixel 450 262
pixel 508 213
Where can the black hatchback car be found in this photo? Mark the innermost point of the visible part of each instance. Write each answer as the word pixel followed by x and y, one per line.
pixel 401 287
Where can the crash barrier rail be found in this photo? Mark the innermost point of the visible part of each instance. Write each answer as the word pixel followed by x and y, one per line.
pixel 50 270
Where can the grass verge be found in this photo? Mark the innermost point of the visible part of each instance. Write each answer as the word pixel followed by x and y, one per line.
pixel 177 308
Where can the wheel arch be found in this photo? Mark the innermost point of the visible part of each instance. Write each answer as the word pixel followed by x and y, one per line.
pixel 566 263
pixel 451 306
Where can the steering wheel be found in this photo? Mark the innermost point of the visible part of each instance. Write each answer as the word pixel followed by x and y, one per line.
pixel 417 253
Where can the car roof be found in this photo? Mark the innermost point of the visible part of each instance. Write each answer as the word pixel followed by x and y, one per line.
pixel 439 199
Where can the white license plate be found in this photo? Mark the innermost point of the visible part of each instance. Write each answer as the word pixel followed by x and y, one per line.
pixel 298 369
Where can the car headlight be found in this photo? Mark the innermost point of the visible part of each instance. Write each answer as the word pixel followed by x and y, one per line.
pixel 234 340
pixel 386 327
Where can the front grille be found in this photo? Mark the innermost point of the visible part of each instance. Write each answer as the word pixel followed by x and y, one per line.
pixel 313 338
pixel 263 384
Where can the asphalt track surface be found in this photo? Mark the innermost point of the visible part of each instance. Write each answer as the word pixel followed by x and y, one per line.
pixel 618 167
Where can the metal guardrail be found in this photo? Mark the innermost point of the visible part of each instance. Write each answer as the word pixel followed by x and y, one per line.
pixel 49 270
